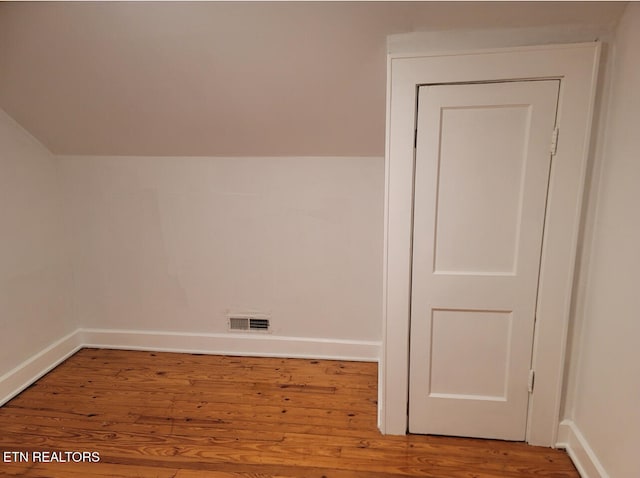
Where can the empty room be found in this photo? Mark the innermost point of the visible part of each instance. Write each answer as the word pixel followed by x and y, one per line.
pixel 241 239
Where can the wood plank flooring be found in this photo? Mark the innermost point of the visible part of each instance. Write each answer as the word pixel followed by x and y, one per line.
pixel 188 416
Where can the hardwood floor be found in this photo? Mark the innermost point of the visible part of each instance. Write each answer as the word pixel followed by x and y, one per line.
pixel 188 416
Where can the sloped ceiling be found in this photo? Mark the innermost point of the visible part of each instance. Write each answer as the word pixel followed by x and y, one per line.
pixel 225 78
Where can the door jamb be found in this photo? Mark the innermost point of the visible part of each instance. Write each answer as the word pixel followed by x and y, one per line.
pixel 576 65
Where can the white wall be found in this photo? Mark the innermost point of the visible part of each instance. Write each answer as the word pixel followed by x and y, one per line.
pixel 35 273
pixel 173 244
pixel 602 413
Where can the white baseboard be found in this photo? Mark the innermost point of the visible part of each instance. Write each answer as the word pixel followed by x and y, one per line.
pixel 258 345
pixel 583 457
pixel 15 381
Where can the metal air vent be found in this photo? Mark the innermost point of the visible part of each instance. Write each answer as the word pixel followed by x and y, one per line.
pixel 249 324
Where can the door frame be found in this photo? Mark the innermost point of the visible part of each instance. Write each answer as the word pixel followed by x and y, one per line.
pixel 576 66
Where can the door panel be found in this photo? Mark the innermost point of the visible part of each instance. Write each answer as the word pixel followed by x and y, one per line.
pixel 469 354
pixel 482 168
pixel 488 205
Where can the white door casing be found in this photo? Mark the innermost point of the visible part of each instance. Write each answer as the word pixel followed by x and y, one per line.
pixel 576 65
pixel 481 175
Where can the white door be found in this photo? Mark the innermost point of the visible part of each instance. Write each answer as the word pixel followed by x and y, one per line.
pixel 482 169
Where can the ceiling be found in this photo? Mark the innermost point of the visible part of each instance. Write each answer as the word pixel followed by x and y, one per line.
pixel 225 78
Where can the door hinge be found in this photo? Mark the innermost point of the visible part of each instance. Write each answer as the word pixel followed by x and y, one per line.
pixel 554 141
pixel 532 377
